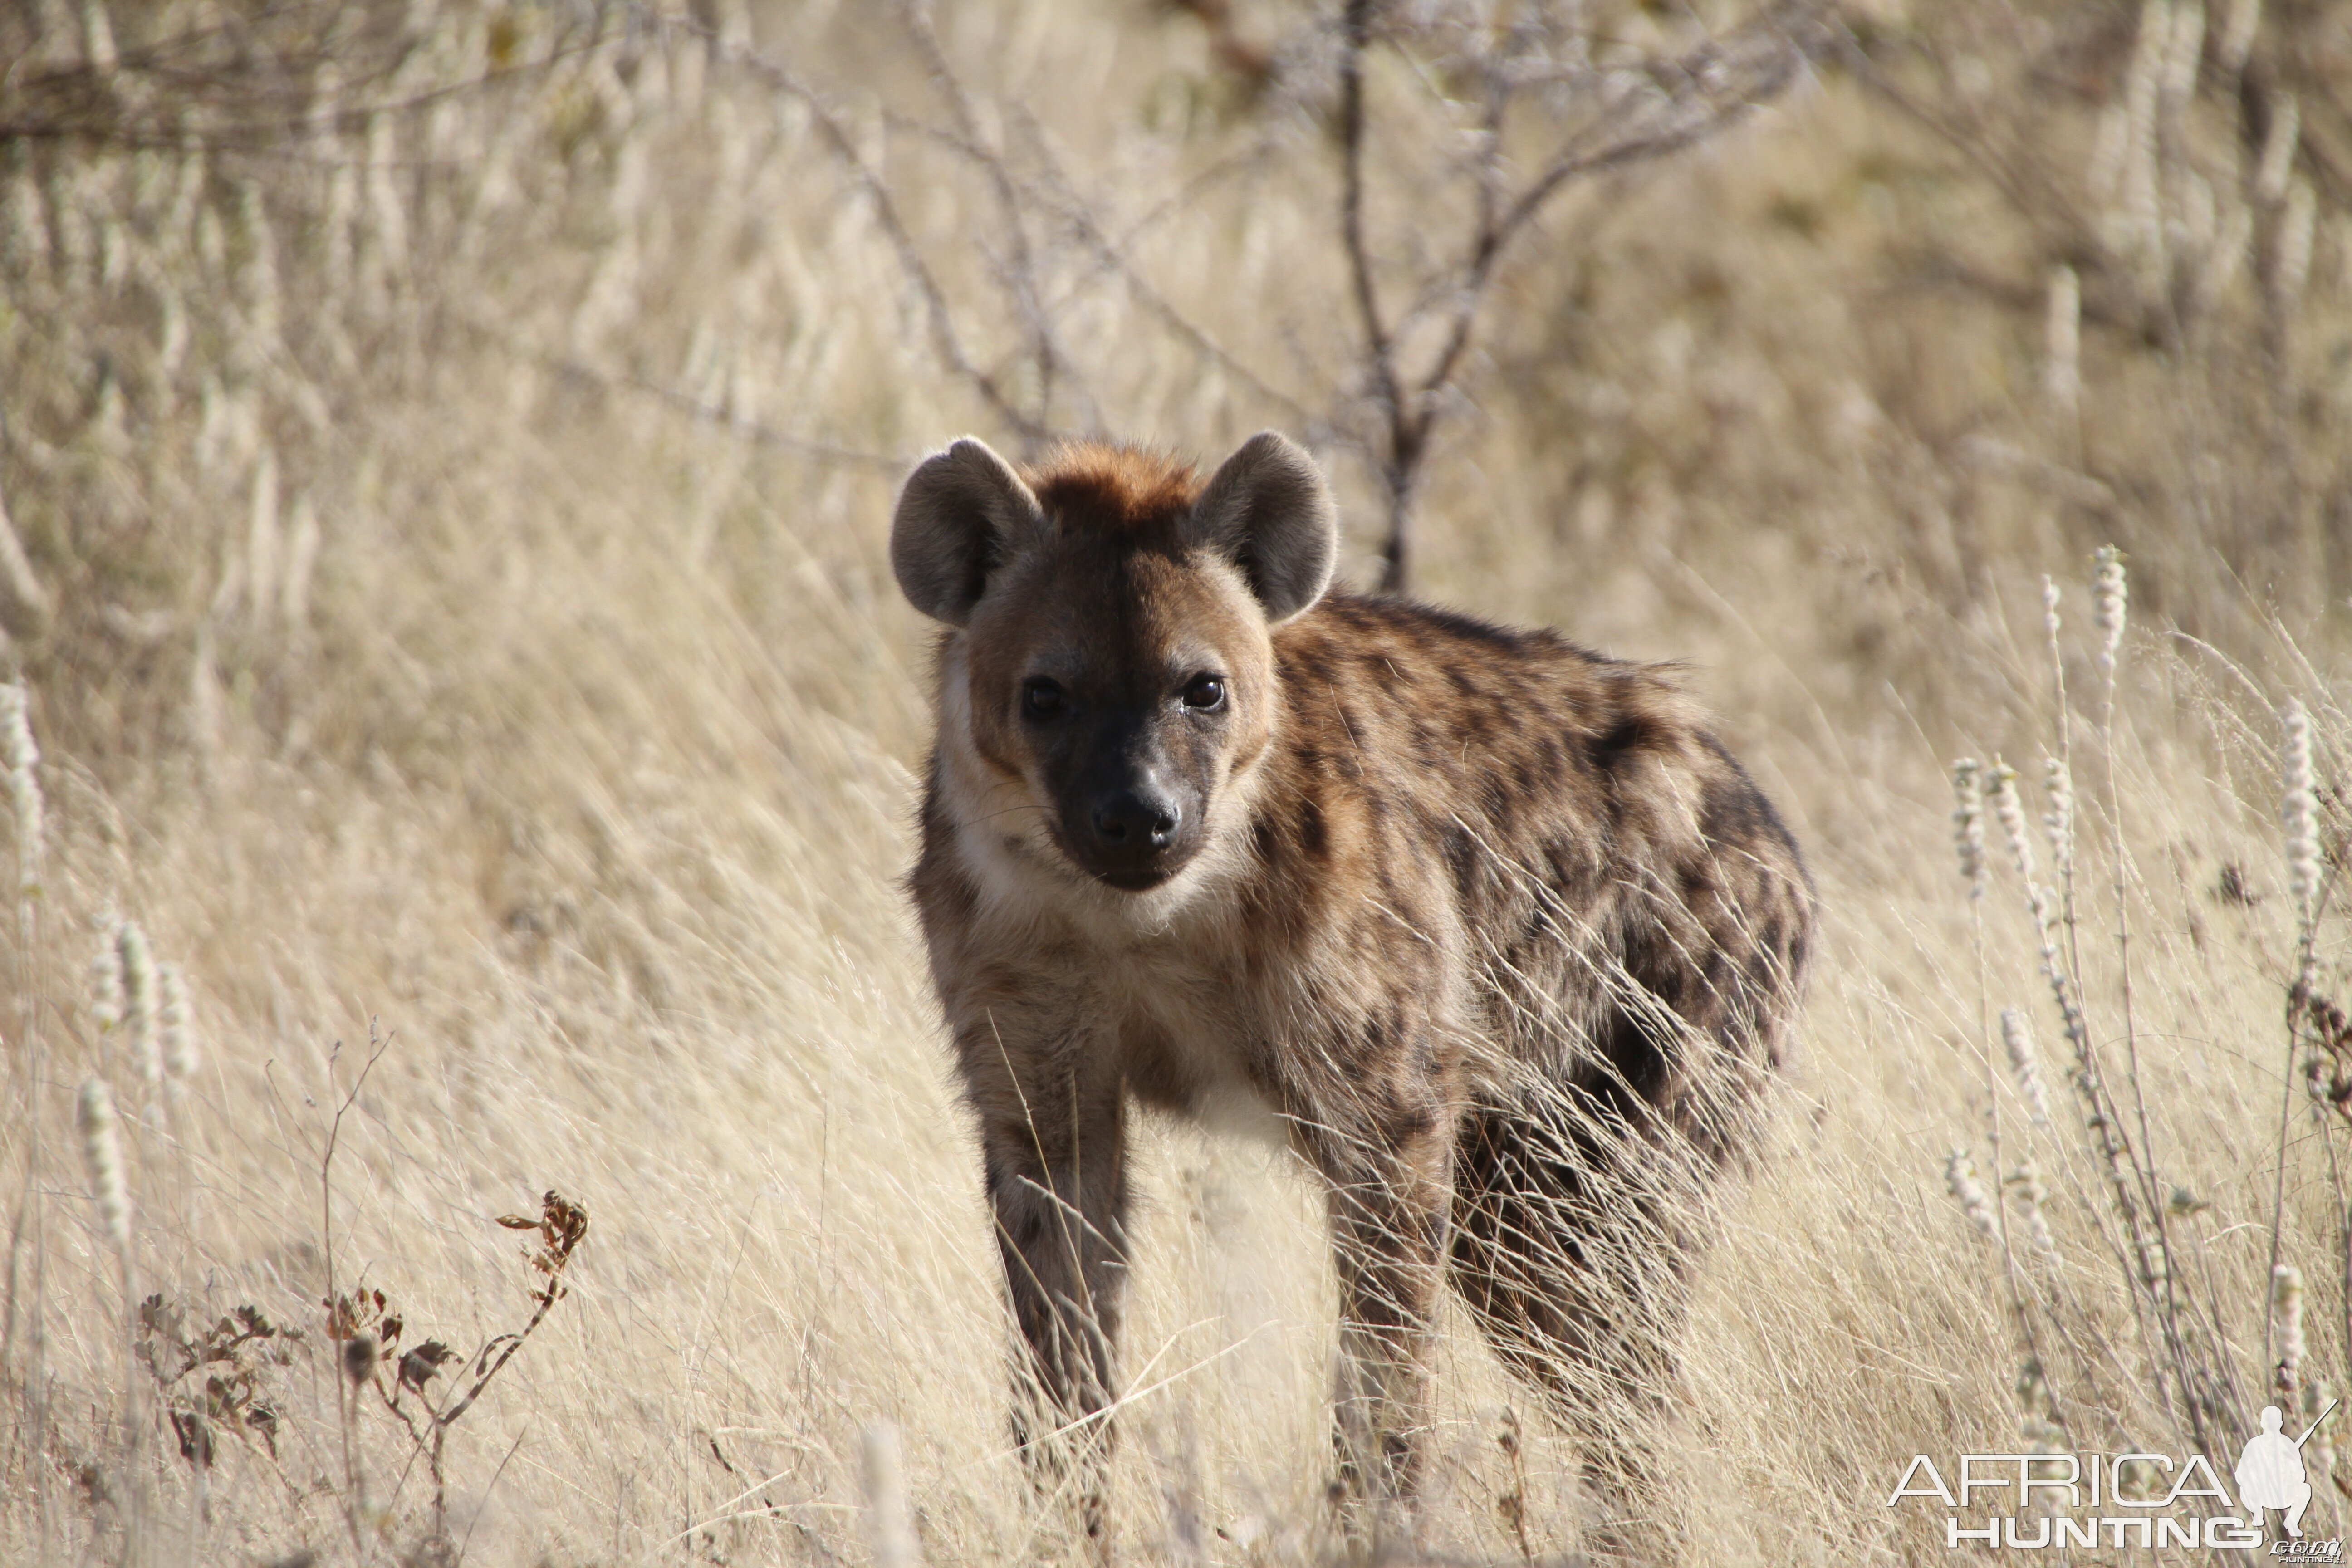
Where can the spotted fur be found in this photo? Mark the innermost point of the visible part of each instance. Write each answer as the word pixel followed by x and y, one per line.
pixel 1490 929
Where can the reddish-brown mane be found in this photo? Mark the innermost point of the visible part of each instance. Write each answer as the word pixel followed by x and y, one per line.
pixel 1103 489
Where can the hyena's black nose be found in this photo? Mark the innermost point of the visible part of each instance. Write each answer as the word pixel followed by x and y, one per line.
pixel 1136 823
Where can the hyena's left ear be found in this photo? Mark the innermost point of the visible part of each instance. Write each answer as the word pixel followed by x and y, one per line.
pixel 964 513
pixel 1269 512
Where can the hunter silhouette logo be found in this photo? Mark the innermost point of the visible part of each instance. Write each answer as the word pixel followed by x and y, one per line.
pixel 2269 1471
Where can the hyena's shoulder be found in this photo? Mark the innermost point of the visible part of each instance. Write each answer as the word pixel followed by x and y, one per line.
pixel 1505 719
pixel 1408 729
pixel 1457 803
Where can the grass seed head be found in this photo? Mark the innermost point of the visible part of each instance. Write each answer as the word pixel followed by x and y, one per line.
pixel 2110 596
pixel 2024 1064
pixel 2025 1186
pixel 107 1000
pixel 2039 1423
pixel 2058 822
pixel 2286 1316
pixel 102 1158
pixel 2011 813
pixel 175 1033
pixel 1967 822
pixel 21 757
pixel 1961 1177
pixel 141 1001
pixel 2299 819
pixel 2062 370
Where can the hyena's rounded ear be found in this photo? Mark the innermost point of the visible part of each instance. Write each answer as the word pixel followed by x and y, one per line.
pixel 964 513
pixel 1269 512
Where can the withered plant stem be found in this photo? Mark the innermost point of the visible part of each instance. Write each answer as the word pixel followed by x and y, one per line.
pixel 346 1397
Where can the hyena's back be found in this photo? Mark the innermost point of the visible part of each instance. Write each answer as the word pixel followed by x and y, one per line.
pixel 1637 915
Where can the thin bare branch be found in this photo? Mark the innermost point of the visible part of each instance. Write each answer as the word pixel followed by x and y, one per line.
pixel 1021 283
pixel 1399 457
pixel 1073 210
pixel 1646 113
pixel 828 120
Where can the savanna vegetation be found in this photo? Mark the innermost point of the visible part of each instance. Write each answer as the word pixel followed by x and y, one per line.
pixel 471 1093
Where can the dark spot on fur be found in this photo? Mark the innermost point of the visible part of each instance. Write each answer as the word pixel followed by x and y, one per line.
pixel 1641 1066
pixel 1314 835
pixel 1460 851
pixel 1731 812
pixel 1752 818
pixel 1716 973
pixel 1411 1123
pixel 1614 745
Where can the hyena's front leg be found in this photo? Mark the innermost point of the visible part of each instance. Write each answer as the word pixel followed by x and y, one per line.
pixel 1390 1196
pixel 1057 1173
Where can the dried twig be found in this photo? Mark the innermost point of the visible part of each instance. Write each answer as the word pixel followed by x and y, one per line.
pixel 369 1331
pixel 1636 116
pixel 1046 351
pixel 344 1397
pixel 827 119
pixel 1112 253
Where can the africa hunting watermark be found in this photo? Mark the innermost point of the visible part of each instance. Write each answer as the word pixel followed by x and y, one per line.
pixel 2147 1500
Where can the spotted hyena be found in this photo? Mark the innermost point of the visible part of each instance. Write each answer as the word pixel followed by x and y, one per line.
pixel 1491 928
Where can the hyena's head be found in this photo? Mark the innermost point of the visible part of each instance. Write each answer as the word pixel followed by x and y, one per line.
pixel 1110 668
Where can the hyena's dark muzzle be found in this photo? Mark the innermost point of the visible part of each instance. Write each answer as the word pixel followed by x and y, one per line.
pixel 1129 817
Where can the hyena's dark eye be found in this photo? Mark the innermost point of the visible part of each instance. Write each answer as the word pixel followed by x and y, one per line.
pixel 1206 693
pixel 1041 699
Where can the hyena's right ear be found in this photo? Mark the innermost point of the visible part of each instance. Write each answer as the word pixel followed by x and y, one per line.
pixel 964 513
pixel 1268 510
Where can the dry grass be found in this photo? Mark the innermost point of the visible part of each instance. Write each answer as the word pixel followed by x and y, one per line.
pixel 454 608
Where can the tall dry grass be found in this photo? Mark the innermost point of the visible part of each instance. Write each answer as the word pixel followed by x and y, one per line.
pixel 448 451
